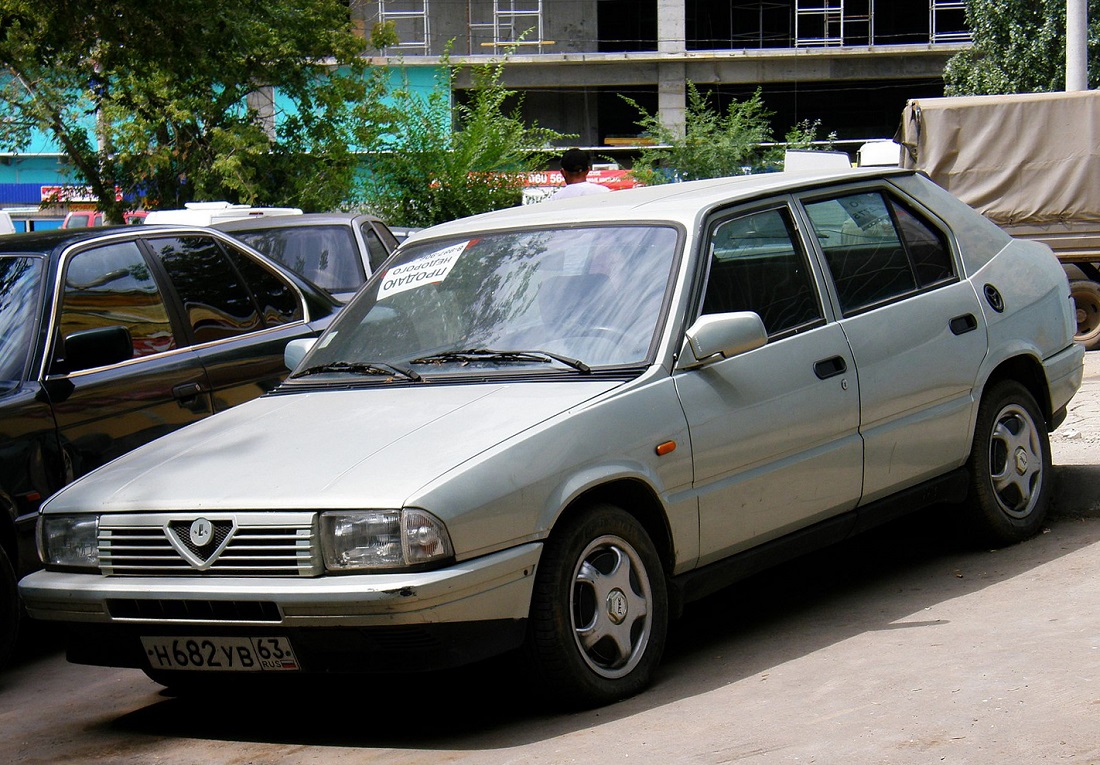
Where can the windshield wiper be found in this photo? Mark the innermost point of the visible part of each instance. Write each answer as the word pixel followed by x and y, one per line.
pixel 490 354
pixel 361 368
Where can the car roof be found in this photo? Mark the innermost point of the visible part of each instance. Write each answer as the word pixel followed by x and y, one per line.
pixel 681 202
pixel 55 239
pixel 295 221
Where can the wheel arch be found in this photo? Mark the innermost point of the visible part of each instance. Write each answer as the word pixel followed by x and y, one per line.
pixel 1028 371
pixel 638 499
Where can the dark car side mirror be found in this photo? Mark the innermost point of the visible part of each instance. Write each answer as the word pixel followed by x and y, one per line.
pixel 98 347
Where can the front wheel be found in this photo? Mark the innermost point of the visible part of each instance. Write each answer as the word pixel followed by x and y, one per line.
pixel 1010 466
pixel 599 615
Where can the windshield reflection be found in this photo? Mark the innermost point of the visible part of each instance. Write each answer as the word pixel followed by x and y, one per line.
pixel 589 295
pixel 20 281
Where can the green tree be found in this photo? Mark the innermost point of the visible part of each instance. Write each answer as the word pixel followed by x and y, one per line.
pixel 713 145
pixel 165 101
pixel 453 160
pixel 1019 47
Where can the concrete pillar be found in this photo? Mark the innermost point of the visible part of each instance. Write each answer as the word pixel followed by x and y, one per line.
pixel 262 101
pixel 1077 76
pixel 671 83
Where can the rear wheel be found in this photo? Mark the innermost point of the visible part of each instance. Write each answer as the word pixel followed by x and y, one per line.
pixel 1086 301
pixel 1010 466
pixel 599 614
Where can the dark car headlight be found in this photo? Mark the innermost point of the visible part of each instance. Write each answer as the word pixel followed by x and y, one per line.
pixel 383 539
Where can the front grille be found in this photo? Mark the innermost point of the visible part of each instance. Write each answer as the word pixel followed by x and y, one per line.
pixel 239 544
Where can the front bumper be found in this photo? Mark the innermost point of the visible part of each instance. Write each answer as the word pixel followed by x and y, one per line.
pixel 350 622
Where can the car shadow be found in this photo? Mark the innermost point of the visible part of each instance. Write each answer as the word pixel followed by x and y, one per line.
pixel 878 581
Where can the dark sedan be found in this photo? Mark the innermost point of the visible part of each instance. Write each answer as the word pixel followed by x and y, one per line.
pixel 111 337
pixel 336 251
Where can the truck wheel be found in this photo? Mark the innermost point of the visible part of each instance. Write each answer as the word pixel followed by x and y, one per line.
pixel 599 614
pixel 1086 301
pixel 9 608
pixel 1010 466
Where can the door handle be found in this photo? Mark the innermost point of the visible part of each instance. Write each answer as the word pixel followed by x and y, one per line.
pixel 830 367
pixel 187 391
pixel 960 325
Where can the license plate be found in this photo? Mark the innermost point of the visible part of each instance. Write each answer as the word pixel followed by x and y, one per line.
pixel 221 654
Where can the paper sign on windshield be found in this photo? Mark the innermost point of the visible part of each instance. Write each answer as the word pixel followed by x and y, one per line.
pixel 426 270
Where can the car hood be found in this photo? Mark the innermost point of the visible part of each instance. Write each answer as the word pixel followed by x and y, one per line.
pixel 323 449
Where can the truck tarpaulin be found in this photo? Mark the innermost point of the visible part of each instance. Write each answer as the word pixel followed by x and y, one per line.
pixel 1018 159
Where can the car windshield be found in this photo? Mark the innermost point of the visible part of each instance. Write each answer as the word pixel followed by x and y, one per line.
pixel 562 298
pixel 326 255
pixel 20 282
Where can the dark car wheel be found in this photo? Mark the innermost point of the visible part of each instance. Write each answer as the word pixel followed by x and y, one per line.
pixel 599 615
pixel 1010 466
pixel 9 608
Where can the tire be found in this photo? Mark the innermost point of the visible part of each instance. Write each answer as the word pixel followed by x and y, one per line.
pixel 1010 466
pixel 10 609
pixel 1086 301
pixel 599 614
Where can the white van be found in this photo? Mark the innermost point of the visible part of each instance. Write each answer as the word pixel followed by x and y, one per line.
pixel 6 226
pixel 208 213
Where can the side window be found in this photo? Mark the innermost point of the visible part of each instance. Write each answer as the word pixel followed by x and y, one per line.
pixel 862 250
pixel 377 252
pixel 926 245
pixel 279 303
pixel 757 264
pixel 216 303
pixel 111 286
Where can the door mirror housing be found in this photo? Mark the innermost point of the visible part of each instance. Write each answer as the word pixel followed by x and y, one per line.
pixel 296 350
pixel 99 347
pixel 721 336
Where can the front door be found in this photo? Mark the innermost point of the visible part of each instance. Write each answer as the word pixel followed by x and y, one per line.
pixel 775 431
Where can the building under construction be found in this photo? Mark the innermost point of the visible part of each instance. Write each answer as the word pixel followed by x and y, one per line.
pixel 851 64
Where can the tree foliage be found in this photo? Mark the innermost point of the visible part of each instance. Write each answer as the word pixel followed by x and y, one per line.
pixel 453 160
pixel 713 145
pixel 162 101
pixel 1019 47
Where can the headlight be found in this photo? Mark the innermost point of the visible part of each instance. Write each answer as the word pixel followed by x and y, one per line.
pixel 383 539
pixel 69 540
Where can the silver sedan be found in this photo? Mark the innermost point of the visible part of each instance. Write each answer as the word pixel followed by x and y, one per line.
pixel 548 428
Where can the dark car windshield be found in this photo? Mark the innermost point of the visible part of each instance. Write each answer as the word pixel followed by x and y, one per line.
pixel 568 298
pixel 326 255
pixel 20 284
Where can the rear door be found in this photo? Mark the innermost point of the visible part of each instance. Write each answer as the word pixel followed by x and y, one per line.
pixel 238 313
pixel 916 331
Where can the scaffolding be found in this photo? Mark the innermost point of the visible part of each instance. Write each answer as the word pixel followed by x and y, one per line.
pixel 947 21
pixel 818 23
pixel 827 23
pixel 831 23
pixel 513 24
pixel 411 22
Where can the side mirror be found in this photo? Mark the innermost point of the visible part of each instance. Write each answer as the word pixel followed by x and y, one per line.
pixel 98 347
pixel 721 336
pixel 296 350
